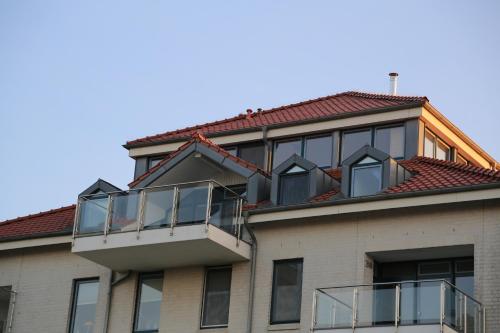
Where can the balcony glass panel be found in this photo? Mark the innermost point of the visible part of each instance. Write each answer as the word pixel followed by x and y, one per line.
pixel 334 308
pixel 376 305
pixel 223 209
pixel 192 204
pixel 473 316
pixel 158 207
pixel 124 211
pixel 420 302
pixel 93 213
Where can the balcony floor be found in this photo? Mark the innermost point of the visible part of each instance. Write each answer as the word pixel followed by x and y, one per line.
pixel 391 329
pixel 155 249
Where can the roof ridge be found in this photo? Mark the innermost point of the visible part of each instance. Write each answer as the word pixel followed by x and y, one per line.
pixel 42 213
pixel 279 108
pixel 457 166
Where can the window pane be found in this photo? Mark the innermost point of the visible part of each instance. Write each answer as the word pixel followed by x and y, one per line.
pixel 153 161
pixel 232 150
pixel 149 303
pixel 283 150
pixel 442 151
pixel 287 291
pixel 352 141
pixel 319 150
pixel 253 153
pixel 366 180
pixel 391 141
pixel 465 284
pixel 216 297
pixel 429 145
pixel 461 160
pixel 84 306
pixel 294 188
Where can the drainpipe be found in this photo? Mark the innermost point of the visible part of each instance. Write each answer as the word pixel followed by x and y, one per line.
pixel 252 273
pixel 110 294
pixel 269 146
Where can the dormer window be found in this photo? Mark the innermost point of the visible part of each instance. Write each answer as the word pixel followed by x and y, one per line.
pixel 366 177
pixel 294 186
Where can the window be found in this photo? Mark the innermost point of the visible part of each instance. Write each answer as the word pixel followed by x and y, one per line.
pixel 366 177
pixel 5 295
pixel 287 291
pixel 148 302
pixel 391 140
pixel 284 149
pixel 294 186
pixel 352 141
pixel 153 161
pixel 232 150
pixel 253 153
pixel 216 295
pixel 461 160
pixel 319 150
pixel 435 148
pixel 83 308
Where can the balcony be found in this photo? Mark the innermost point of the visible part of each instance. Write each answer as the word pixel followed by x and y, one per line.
pixel 411 306
pixel 159 227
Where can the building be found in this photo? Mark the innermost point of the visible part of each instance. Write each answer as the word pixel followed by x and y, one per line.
pixel 352 212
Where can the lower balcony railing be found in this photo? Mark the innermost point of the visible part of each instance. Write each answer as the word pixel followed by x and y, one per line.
pixel 163 226
pixel 433 305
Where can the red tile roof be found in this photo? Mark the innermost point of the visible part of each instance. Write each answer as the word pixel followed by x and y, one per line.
pixel 55 221
pixel 316 109
pixel 432 174
pixel 199 138
pixel 427 174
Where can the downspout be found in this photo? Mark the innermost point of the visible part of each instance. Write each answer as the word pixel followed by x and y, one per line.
pixel 269 147
pixel 252 273
pixel 110 294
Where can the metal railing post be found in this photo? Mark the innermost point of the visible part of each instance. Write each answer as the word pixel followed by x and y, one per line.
pixel 441 306
pixel 313 317
pixel 140 217
pixel 483 309
pixel 108 216
pixel 334 314
pixel 354 308
pixel 76 221
pixel 465 313
pixel 209 204
pixel 174 209
pixel 397 305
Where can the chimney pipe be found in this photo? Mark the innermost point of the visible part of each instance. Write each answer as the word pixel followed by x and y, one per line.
pixel 393 81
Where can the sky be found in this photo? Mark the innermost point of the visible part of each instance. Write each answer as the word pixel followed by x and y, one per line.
pixel 80 78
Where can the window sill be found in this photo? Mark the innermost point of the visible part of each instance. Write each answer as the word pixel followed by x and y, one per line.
pixel 284 327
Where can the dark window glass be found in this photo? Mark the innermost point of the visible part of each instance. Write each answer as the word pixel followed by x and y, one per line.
pixel 391 140
pixel 153 161
pixel 319 150
pixel 232 150
pixel 352 141
pixel 464 266
pixel 366 180
pixel 148 303
pixel 294 188
pixel 83 309
pixel 216 297
pixel 431 268
pixel 287 291
pixel 284 149
pixel 429 144
pixel 253 153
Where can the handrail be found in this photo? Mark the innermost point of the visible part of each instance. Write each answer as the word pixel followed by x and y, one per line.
pixel 139 217
pixel 447 302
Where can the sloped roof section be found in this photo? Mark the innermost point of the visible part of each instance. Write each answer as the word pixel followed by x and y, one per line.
pixel 433 174
pixel 48 223
pixel 199 138
pixel 332 106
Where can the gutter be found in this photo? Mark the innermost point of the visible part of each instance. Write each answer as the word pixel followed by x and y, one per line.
pixel 251 293
pixel 110 294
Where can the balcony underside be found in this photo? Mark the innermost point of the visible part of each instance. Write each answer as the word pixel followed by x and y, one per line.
pixel 391 329
pixel 156 249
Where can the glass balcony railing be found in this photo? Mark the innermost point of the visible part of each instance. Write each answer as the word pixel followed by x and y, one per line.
pixel 159 207
pixel 397 304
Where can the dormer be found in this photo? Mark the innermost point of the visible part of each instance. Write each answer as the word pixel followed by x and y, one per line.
pixel 369 171
pixel 297 180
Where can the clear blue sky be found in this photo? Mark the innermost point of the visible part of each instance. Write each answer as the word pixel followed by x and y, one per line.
pixel 79 78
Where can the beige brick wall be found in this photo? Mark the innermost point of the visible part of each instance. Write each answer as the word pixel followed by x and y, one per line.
pixel 334 250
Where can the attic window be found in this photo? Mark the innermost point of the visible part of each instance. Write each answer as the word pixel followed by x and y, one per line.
pixel 366 177
pixel 294 186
